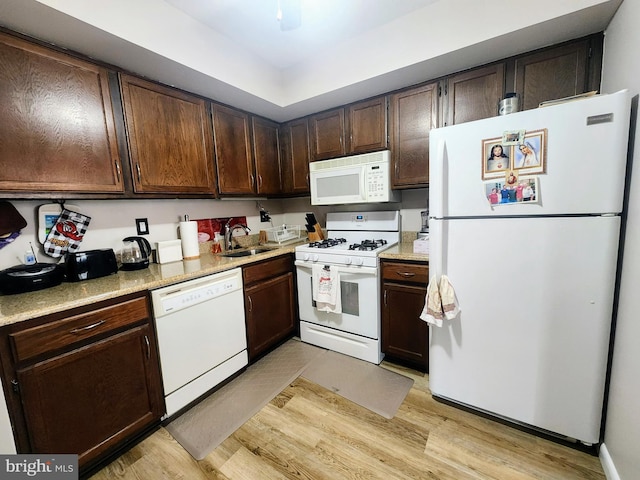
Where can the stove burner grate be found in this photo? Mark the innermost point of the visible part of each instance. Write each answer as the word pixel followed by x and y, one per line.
pixel 367 245
pixel 327 243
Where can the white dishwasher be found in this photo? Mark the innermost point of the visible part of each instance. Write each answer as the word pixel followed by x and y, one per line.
pixel 201 335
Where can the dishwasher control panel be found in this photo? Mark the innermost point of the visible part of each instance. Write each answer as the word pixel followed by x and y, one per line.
pixel 184 295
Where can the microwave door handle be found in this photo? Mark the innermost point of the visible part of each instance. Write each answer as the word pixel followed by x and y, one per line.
pixel 365 194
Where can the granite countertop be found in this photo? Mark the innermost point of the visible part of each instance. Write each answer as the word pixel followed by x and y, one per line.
pixel 24 306
pixel 403 251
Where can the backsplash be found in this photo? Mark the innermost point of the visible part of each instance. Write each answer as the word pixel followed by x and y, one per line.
pixel 113 220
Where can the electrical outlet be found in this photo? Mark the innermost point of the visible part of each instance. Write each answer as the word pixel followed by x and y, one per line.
pixel 264 216
pixel 142 226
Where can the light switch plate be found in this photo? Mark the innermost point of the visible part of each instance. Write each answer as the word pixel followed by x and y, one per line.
pixel 142 226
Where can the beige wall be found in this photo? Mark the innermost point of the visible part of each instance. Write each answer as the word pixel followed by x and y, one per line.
pixel 621 452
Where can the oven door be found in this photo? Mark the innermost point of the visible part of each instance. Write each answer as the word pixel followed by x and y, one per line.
pixel 360 297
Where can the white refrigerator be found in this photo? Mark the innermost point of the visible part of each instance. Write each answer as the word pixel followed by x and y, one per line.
pixel 534 268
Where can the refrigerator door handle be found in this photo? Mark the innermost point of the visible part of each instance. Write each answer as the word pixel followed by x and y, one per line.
pixel 442 155
pixel 438 239
pixel 437 194
pixel 438 209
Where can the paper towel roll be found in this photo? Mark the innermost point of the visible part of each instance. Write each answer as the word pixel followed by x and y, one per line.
pixel 189 238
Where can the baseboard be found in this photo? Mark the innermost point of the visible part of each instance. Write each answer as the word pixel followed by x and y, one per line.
pixel 607 464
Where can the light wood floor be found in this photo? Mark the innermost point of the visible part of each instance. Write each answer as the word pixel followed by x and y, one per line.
pixel 308 432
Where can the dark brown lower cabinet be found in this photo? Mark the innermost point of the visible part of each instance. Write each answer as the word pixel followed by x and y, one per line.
pixel 405 338
pixel 269 304
pixel 85 382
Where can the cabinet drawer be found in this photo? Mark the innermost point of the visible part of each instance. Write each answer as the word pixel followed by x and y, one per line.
pixel 61 333
pixel 267 269
pixel 407 272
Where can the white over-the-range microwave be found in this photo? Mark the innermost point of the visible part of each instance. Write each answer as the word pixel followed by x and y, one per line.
pixel 364 178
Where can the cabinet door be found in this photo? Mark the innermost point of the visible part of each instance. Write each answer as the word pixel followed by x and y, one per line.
pixel 327 134
pixel 295 157
pixel 474 94
pixel 169 135
pixel 90 399
pixel 269 313
pixel 367 123
pixel 233 151
pixel 266 152
pixel 551 74
pixel 57 130
pixel 413 114
pixel 404 335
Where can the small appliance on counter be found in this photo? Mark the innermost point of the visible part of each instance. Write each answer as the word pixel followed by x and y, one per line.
pixel 90 264
pixel 135 253
pixel 28 278
pixel 424 230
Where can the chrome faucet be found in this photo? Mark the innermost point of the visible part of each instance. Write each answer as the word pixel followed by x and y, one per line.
pixel 228 234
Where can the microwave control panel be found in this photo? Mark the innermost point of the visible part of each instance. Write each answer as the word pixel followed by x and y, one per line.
pixel 377 182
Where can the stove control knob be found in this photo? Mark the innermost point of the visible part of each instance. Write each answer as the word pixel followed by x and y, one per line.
pixel 315 258
pixel 357 261
pixel 348 260
pixel 305 257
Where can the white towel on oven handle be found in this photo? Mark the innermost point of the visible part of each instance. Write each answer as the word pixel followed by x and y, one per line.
pixel 325 283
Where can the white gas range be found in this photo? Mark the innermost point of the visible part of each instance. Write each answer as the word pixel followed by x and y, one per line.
pixel 354 240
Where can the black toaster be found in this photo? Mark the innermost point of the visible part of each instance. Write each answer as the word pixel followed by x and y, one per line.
pixel 90 264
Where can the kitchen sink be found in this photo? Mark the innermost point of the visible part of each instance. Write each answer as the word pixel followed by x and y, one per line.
pixel 245 253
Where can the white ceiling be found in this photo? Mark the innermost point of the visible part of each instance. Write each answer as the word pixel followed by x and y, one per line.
pixel 253 24
pixel 233 51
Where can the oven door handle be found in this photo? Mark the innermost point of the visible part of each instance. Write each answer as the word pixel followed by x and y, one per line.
pixel 352 269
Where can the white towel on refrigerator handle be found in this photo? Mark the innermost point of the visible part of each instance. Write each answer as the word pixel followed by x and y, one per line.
pixel 450 305
pixel 441 302
pixel 432 312
pixel 325 281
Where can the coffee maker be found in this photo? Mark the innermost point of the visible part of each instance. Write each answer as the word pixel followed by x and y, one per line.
pixel 424 230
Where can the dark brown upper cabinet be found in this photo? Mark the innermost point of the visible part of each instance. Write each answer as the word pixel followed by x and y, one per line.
pixel 473 95
pixel 295 157
pixel 327 134
pixel 413 114
pixel 57 130
pixel 266 153
pixel 169 137
pixel 233 151
pixel 357 128
pixel 367 125
pixel 559 72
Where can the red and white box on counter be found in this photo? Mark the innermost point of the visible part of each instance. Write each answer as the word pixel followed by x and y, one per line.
pixel 421 245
